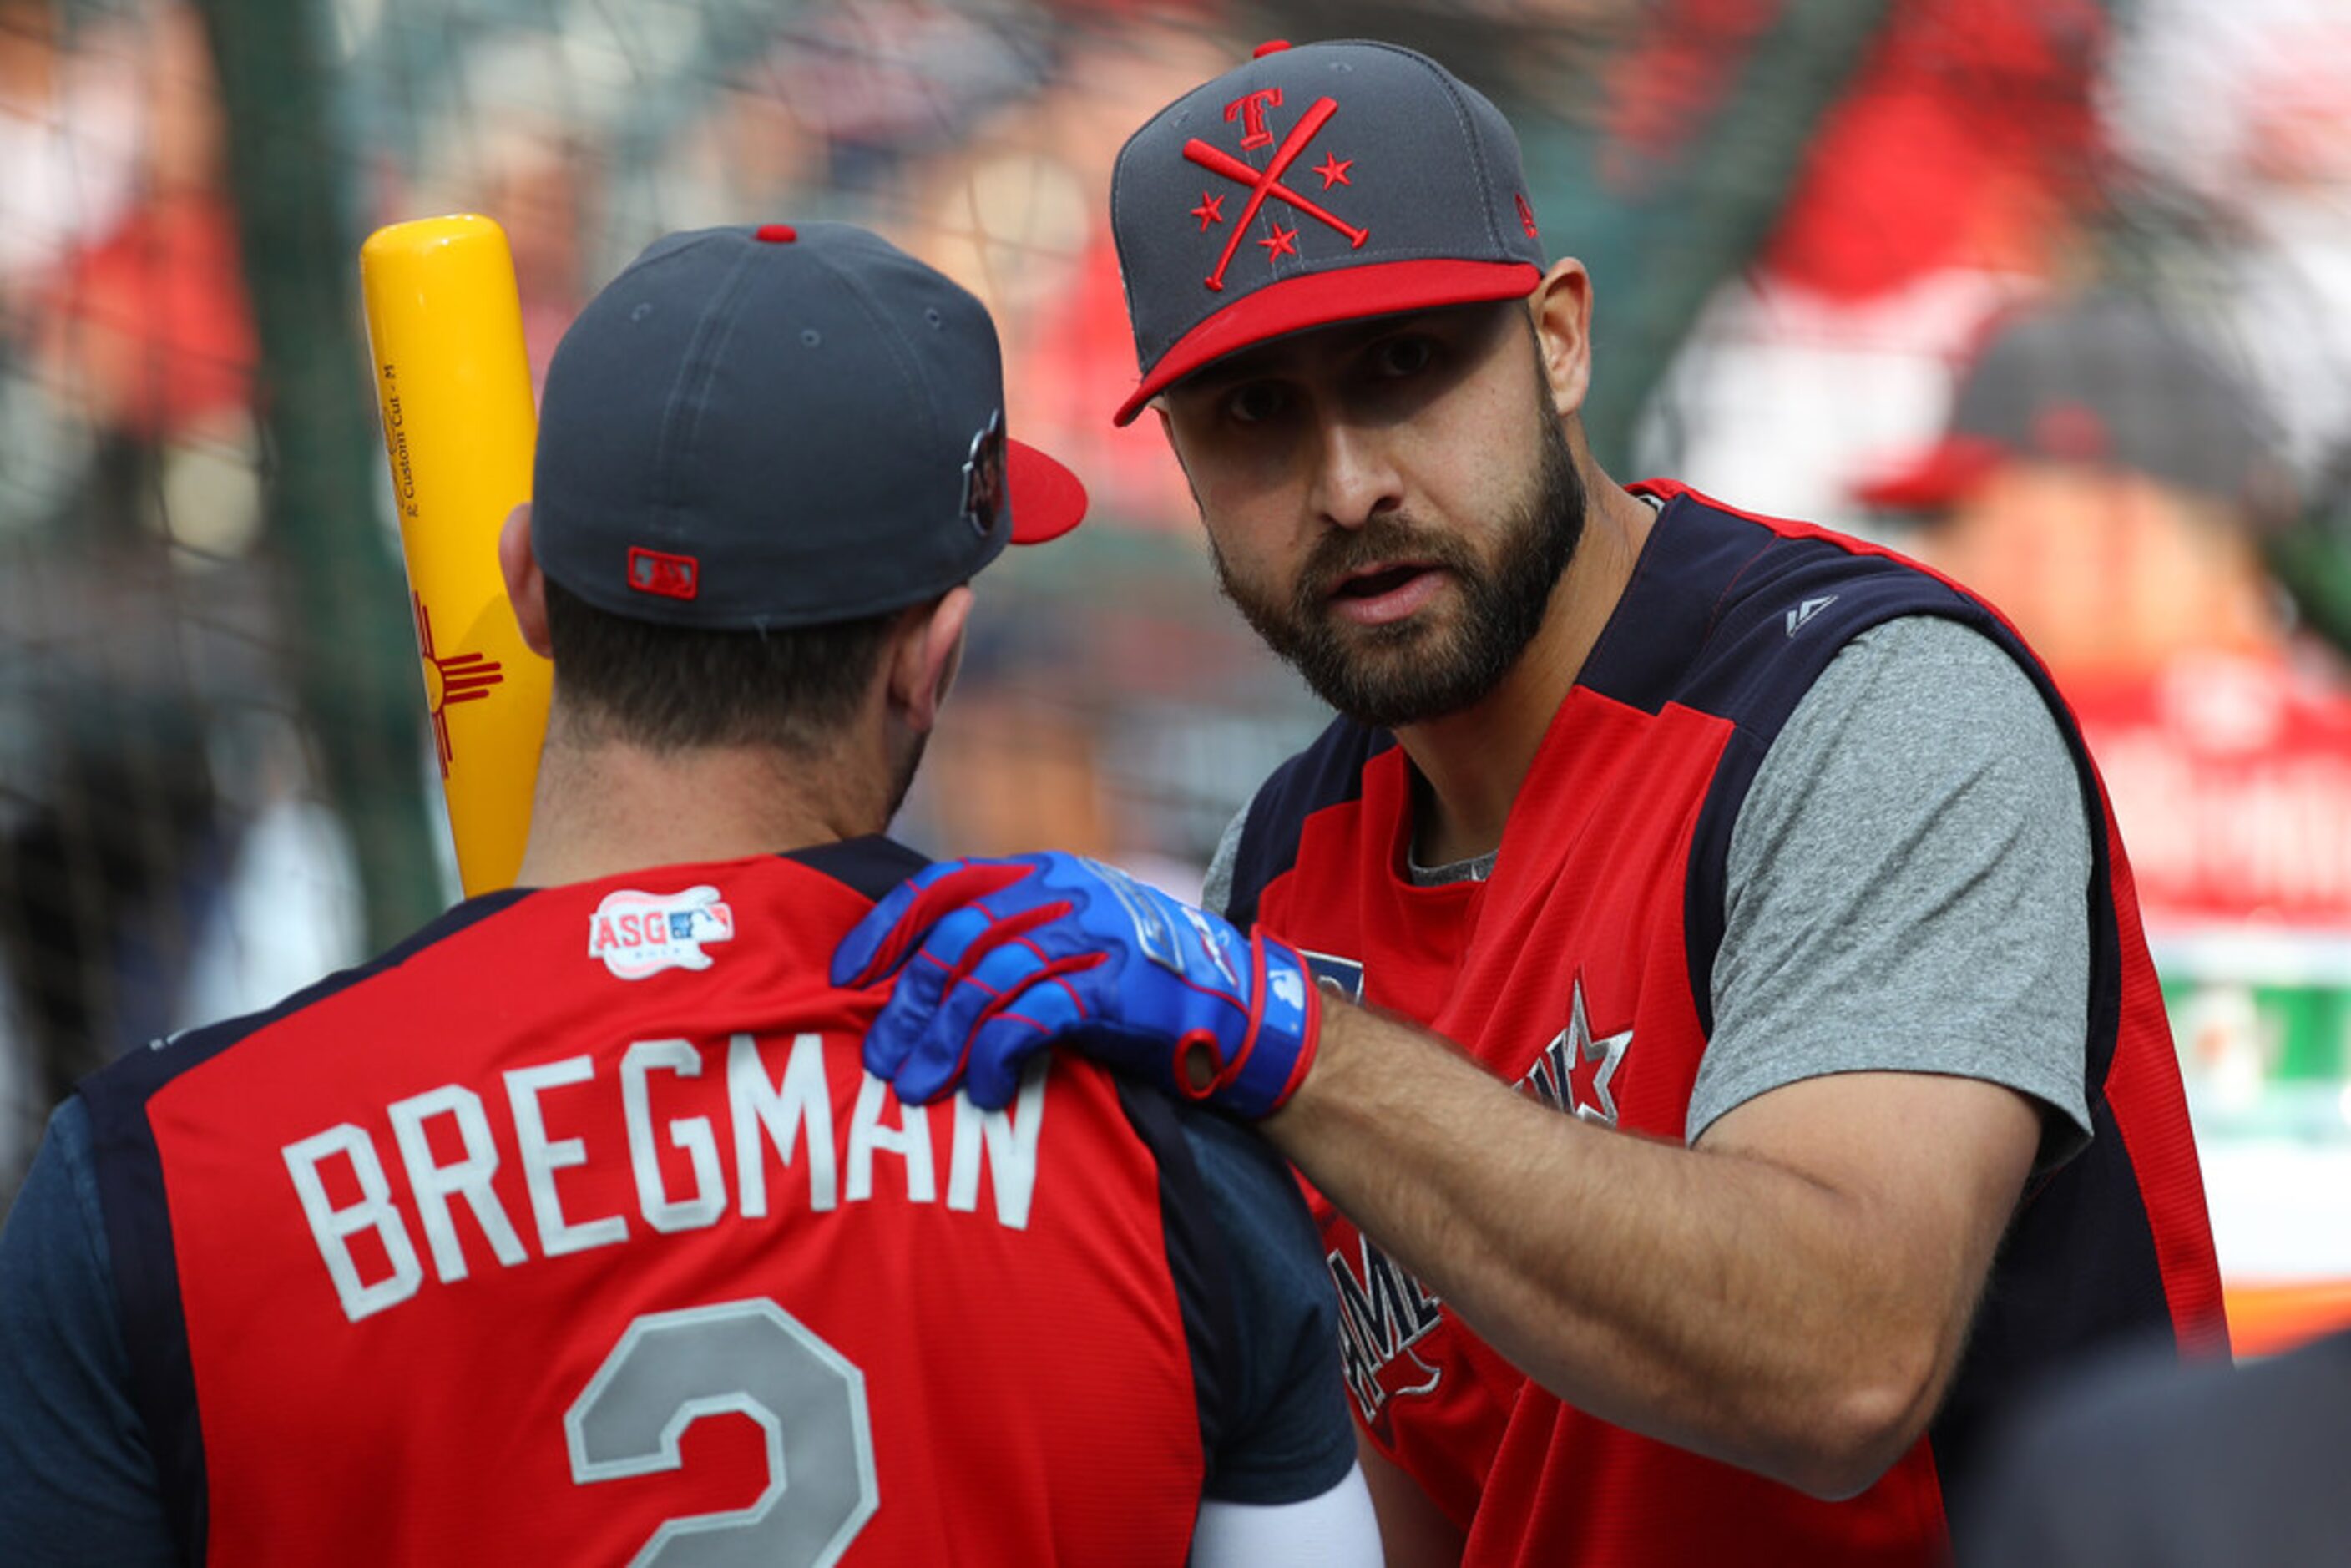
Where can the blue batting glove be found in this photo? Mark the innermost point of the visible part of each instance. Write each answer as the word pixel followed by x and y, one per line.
pixel 998 959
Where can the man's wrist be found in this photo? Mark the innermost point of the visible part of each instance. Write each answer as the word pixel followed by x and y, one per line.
pixel 1326 1058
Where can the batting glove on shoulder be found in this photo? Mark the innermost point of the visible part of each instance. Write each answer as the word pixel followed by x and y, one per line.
pixel 997 960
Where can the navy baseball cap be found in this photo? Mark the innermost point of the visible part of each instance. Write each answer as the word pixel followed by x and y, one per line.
pixel 1313 185
pixel 760 428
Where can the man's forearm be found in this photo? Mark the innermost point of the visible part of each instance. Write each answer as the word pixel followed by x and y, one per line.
pixel 1719 1302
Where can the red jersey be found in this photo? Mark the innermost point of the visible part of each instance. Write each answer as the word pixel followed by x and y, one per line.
pixel 1580 972
pixel 572 1230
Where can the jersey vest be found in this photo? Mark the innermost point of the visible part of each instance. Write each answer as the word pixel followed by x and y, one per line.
pixel 573 1230
pixel 1580 972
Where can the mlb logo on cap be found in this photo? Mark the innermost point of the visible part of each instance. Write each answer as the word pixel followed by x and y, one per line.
pixel 1311 186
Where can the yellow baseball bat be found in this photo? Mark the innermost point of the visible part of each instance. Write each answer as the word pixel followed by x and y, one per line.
pixel 453 383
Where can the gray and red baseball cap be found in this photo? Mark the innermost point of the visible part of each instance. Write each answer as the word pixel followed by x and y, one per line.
pixel 2104 380
pixel 754 429
pixel 1310 186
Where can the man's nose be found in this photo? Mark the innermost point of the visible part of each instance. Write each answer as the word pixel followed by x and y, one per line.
pixel 1355 481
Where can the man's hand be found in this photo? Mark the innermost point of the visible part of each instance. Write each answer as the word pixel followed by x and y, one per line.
pixel 997 959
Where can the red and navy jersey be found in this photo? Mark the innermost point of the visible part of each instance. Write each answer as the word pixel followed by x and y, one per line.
pixel 1598 927
pixel 573 1228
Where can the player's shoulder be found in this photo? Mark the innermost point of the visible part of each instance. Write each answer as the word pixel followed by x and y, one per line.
pixel 139 1072
pixel 871 866
pixel 1803 582
pixel 863 868
pixel 1763 605
pixel 1285 1434
pixel 1328 772
pixel 1248 1183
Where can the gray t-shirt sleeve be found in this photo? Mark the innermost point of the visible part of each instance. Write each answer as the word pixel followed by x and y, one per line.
pixel 1217 887
pixel 1907 886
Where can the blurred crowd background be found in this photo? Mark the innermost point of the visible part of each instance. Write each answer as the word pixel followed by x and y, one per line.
pixel 2055 294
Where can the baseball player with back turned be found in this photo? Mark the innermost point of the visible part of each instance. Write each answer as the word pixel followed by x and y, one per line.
pixel 1737 1069
pixel 445 1259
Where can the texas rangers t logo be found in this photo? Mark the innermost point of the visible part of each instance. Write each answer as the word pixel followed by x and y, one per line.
pixel 1251 111
pixel 1261 184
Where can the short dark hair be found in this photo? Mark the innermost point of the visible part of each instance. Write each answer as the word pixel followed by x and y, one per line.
pixel 669 687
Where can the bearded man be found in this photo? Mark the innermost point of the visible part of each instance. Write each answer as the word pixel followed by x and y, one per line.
pixel 1735 1070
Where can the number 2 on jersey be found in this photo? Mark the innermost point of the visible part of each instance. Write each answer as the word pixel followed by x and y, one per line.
pixel 754 1358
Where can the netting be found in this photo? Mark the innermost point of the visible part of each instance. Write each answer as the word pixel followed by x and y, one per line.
pixel 215 774
pixel 168 747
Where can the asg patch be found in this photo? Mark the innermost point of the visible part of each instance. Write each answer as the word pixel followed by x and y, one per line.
pixel 983 476
pixel 641 934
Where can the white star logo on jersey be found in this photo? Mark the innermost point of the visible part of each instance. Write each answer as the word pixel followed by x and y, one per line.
pixel 1609 1051
pixel 1551 1079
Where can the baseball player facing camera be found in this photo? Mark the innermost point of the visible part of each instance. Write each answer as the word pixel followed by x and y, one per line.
pixel 1734 1068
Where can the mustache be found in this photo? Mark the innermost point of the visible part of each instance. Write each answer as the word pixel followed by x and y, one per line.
pixel 1390 536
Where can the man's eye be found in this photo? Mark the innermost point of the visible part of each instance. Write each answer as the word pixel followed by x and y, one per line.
pixel 1255 403
pixel 1403 355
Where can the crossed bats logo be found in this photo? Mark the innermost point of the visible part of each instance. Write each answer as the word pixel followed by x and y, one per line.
pixel 1267 183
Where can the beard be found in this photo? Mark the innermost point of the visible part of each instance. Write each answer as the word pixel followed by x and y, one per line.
pixel 1407 671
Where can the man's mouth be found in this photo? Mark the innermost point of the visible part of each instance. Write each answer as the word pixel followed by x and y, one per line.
pixel 1390 591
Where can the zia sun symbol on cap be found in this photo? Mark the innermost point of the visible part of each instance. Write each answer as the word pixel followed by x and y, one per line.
pixel 1249 111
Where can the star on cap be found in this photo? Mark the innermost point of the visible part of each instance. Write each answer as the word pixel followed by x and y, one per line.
pixel 1282 242
pixel 1211 210
pixel 1333 169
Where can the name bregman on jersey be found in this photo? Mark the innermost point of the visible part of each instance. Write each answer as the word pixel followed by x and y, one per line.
pixel 448 1151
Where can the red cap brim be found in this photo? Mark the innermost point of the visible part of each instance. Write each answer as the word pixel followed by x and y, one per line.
pixel 1325 298
pixel 1938 478
pixel 1047 500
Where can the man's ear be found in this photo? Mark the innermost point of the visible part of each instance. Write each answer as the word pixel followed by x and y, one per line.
pixel 925 655
pixel 526 589
pixel 1561 306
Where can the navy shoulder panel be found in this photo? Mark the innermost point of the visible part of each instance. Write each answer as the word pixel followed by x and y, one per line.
pixel 1735 617
pixel 1196 1263
pixel 872 865
pixel 138 1220
pixel 2078 1276
pixel 1289 1437
pixel 1327 773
